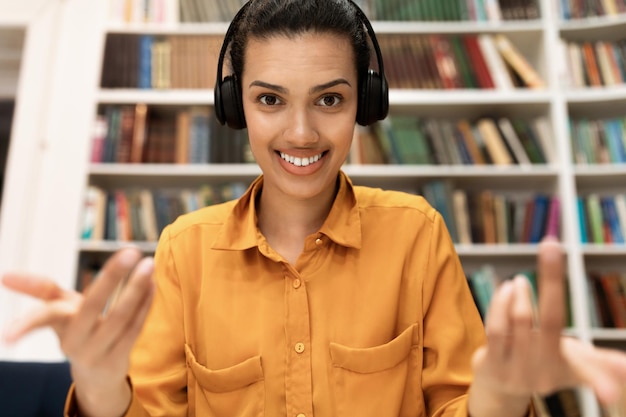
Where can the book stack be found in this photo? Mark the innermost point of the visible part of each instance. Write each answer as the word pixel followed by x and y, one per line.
pixel 407 140
pixel 140 214
pixel 189 135
pixel 456 10
pixel 160 61
pixel 602 218
pixel 596 63
pixel 574 9
pixel 598 141
pixel 435 61
pixel 491 217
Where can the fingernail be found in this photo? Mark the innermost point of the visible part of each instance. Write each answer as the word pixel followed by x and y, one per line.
pixel 146 266
pixel 129 256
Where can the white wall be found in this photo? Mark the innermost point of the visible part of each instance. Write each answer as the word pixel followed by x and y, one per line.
pixel 47 162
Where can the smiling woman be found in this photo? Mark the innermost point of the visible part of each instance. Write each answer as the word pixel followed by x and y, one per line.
pixel 310 296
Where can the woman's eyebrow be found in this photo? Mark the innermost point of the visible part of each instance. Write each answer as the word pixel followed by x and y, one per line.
pixel 312 90
pixel 329 84
pixel 269 86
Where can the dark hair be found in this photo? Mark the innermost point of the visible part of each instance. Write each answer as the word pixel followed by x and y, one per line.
pixel 266 18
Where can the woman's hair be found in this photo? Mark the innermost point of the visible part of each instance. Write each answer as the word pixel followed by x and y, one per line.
pixel 264 19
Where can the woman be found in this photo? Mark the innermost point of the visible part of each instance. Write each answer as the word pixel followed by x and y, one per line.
pixel 308 295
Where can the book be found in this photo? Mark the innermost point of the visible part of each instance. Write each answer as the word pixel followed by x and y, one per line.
pixel 494 142
pixel 512 139
pixel 495 62
pixel 518 62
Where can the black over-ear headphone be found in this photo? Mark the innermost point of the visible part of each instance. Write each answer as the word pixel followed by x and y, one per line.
pixel 373 95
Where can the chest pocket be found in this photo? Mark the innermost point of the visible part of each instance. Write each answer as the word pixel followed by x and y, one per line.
pixel 375 381
pixel 237 391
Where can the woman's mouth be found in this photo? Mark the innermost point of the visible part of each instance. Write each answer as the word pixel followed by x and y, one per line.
pixel 301 161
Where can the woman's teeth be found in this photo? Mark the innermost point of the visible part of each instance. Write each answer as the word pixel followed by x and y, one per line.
pixel 300 162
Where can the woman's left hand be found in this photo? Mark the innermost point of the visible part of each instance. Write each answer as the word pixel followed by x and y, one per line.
pixel 528 354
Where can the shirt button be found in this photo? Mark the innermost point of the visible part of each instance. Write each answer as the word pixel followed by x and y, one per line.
pixel 318 241
pixel 299 347
pixel 296 283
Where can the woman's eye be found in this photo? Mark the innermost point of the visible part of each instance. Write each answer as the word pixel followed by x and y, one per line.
pixel 269 100
pixel 329 101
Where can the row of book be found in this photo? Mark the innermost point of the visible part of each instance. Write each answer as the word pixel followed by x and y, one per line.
pixel 141 134
pixel 193 11
pixel 160 62
pixel 455 10
pixel 579 9
pixel 141 214
pixel 596 64
pixel 600 141
pixel 416 61
pixel 437 61
pixel 494 217
pixel 607 299
pixel 403 139
pixel 172 11
pixel 602 218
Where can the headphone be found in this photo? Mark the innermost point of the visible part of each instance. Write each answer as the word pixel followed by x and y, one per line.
pixel 373 100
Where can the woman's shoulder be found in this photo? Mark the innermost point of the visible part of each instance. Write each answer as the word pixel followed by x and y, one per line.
pixel 215 215
pixel 378 198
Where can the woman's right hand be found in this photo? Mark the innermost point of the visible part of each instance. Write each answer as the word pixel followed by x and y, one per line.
pixel 95 331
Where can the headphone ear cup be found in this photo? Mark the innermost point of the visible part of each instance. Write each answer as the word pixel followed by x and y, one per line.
pixel 228 102
pixel 373 99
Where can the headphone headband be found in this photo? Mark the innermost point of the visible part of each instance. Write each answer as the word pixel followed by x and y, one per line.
pixel 373 93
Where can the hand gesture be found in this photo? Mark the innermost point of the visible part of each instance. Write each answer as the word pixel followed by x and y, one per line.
pixel 95 331
pixel 527 354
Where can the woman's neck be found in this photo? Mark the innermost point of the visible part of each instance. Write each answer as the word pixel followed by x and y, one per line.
pixel 286 222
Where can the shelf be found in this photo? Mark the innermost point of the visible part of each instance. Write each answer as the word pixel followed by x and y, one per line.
pixel 380 27
pixel 605 250
pixel 515 250
pixel 608 334
pixel 462 27
pixel 593 27
pixel 155 97
pixel 512 249
pixel 606 178
pixel 396 97
pixel 210 28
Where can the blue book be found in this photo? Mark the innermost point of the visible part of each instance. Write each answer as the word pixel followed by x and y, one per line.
pixel 614 138
pixel 582 220
pixel 609 211
pixel 144 75
pixel 540 216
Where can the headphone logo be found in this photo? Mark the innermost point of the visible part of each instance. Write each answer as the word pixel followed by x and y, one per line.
pixel 373 102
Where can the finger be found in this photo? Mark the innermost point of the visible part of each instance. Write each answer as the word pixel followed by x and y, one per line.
pixel 551 290
pixel 521 311
pixel 42 288
pixel 126 340
pixel 43 316
pixel 498 321
pixel 115 270
pixel 591 368
pixel 131 300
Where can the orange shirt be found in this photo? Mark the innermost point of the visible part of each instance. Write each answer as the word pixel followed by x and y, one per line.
pixel 374 319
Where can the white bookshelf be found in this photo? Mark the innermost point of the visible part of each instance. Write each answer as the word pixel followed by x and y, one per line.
pixel 55 248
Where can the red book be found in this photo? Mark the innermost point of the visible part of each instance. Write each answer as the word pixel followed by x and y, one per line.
pixel 478 61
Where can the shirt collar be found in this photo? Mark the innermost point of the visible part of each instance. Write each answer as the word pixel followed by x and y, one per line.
pixel 343 224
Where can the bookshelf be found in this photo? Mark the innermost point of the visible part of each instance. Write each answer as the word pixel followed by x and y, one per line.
pixel 54 247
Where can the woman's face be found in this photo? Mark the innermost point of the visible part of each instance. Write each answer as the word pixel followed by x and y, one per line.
pixel 300 100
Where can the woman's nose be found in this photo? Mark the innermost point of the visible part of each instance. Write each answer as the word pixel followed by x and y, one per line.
pixel 301 128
